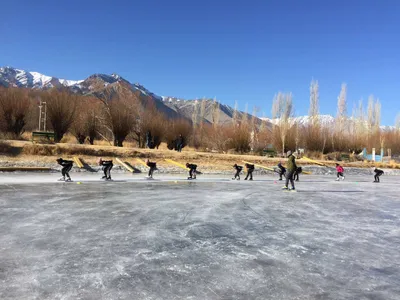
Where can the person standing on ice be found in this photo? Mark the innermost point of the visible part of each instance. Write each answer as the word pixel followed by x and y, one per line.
pixel 238 170
pixel 107 166
pixel 291 169
pixel 378 173
pixel 340 171
pixel 67 166
pixel 192 170
pixel 250 169
pixel 281 170
pixel 152 166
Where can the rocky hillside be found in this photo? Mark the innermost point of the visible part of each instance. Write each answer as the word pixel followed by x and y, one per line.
pixel 97 83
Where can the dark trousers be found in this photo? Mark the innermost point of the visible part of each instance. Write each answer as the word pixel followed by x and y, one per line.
pixel 237 174
pixel 281 174
pixel 339 174
pixel 377 175
pixel 296 176
pixel 65 170
pixel 249 173
pixel 192 173
pixel 151 171
pixel 107 170
pixel 289 177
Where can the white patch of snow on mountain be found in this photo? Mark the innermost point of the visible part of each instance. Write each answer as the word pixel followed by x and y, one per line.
pixel 70 82
pixel 40 79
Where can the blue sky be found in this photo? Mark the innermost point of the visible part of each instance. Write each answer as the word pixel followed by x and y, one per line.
pixel 232 50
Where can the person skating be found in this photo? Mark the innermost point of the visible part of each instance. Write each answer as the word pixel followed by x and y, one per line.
pixel 67 166
pixel 250 169
pixel 238 170
pixel 291 169
pixel 107 166
pixel 296 173
pixel 192 170
pixel 152 166
pixel 281 170
pixel 378 173
pixel 340 171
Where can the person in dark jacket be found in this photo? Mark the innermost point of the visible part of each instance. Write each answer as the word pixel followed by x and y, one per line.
pixel 296 173
pixel 238 170
pixel 148 139
pixel 66 167
pixel 107 166
pixel 192 170
pixel 179 143
pixel 281 170
pixel 291 169
pixel 378 173
pixel 152 166
pixel 250 169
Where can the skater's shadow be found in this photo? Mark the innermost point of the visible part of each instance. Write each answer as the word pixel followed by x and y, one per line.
pixel 87 167
pixel 331 191
pixel 135 170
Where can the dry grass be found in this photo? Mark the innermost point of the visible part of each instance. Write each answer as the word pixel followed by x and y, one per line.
pixel 19 151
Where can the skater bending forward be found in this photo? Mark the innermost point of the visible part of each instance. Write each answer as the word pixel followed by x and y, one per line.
pixel 281 170
pixel 238 170
pixel 107 166
pixel 192 170
pixel 291 169
pixel 378 173
pixel 250 169
pixel 340 171
pixel 67 166
pixel 152 165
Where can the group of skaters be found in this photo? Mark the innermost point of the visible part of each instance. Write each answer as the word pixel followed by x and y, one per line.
pixel 291 172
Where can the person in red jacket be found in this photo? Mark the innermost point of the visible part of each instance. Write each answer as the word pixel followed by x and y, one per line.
pixel 340 171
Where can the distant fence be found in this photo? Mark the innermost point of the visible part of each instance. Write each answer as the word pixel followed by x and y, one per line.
pixel 374 157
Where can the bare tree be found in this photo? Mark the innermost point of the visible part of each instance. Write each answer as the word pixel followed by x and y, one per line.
pixel 120 112
pixel 61 111
pixel 215 113
pixel 314 102
pixel 14 109
pixel 282 108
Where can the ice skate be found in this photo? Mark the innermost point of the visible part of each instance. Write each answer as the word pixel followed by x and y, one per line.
pixel 61 179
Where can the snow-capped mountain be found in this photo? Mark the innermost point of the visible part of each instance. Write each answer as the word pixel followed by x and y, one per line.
pixel 324 120
pixel 11 77
pixel 97 83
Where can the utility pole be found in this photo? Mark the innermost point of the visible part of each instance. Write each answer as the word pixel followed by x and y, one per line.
pixel 42 115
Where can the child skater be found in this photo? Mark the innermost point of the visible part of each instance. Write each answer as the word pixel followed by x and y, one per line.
pixel 378 173
pixel 107 166
pixel 238 170
pixel 192 170
pixel 67 166
pixel 153 166
pixel 340 171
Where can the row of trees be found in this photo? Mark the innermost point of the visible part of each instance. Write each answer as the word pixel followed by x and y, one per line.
pixel 119 114
pixel 115 115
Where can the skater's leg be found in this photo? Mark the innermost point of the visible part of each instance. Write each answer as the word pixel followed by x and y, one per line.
pixel 68 168
pixel 247 175
pixel 251 175
pixel 63 171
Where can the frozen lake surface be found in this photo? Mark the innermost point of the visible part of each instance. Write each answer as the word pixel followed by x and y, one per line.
pixel 207 239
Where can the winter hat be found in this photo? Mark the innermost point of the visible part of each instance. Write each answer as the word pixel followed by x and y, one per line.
pixel 289 153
